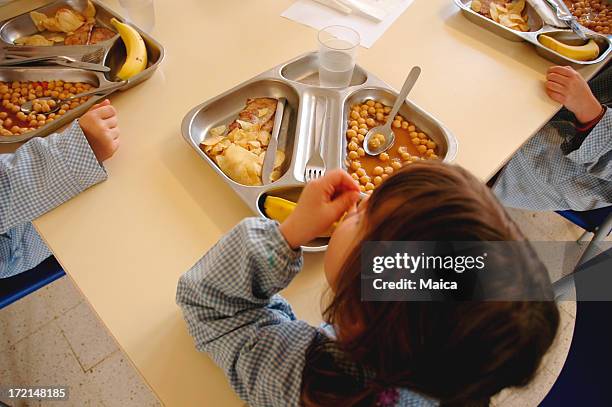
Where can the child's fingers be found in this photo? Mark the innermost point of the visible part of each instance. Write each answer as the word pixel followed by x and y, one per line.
pixel 557 97
pixel 341 181
pixel 562 70
pixel 344 202
pixel 112 122
pixel 105 102
pixel 106 112
pixel 114 133
pixel 555 77
pixel 555 87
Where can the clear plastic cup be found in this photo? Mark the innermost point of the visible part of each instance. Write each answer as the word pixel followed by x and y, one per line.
pixel 337 53
pixel 141 13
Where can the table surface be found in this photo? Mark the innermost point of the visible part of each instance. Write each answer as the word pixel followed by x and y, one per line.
pixel 126 241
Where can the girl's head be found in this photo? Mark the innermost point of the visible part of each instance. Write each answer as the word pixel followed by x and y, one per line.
pixel 457 352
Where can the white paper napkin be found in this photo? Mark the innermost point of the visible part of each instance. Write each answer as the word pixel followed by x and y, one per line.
pixel 318 16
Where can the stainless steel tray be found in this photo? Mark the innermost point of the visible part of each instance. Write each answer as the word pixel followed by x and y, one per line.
pixel 537 28
pixel 110 53
pixel 297 81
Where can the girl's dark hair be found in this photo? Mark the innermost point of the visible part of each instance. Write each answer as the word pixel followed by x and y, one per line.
pixel 459 353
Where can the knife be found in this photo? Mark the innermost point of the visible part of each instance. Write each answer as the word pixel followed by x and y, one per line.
pixel 281 124
pixel 564 14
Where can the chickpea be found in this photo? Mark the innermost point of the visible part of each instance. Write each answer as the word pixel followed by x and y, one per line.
pixel 353 155
pixel 370 103
pixel 416 141
pixel 422 149
pixel 422 135
pixel 21 116
pixel 406 156
pixel 52 103
pixel 37 107
pixel 355 140
pixel 46 108
pixel 361 172
pixel 384 157
pixel 380 117
pixel 353 123
pixel 355 165
pixel 364 126
pixel 360 138
pixel 387 109
pixel 361 120
pixel 40 117
pixel 374 143
pixel 397 124
pixel 354 115
pixel 365 179
pixel 15 109
pixel 405 125
pixel 370 122
pixel 41 123
pixel 378 170
pixel 3 115
pixel 356 128
pixel 362 188
pixel 351 133
pixel 33 123
pixel 433 157
pixel 74 105
pixel 363 131
pixel 371 111
pixel 377 180
pixel 396 165
pixel 363 113
pixel 353 146
pixel 61 112
pixel 411 129
pixel 369 186
pixel 15 129
pixel 378 105
pixel 5 132
pixel 385 176
pixel 361 152
pixel 431 144
pixel 355 176
pixel 389 170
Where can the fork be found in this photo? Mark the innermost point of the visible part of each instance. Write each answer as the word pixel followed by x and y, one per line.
pixel 315 167
pixel 17 52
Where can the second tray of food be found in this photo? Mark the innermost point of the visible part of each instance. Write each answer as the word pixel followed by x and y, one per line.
pixel 268 125
pixel 519 20
pixel 52 54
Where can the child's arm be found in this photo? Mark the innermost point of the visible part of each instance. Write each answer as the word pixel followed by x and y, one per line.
pixel 46 172
pixel 230 304
pixel 594 121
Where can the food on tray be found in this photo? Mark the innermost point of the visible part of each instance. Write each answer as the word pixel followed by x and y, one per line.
pixel 240 154
pixel 13 94
pixel 67 26
pixel 411 144
pixel 593 14
pixel 509 13
pixel 278 209
pixel 136 51
pixel 586 52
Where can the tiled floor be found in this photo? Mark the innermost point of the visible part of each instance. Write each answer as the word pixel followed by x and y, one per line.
pixel 53 337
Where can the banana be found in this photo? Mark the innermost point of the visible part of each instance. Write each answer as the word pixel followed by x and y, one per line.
pixel 136 59
pixel 278 208
pixel 586 52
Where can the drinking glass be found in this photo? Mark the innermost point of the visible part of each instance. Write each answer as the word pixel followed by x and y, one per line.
pixel 141 13
pixel 337 52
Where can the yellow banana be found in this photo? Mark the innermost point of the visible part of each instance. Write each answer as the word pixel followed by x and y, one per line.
pixel 278 209
pixel 586 52
pixel 136 58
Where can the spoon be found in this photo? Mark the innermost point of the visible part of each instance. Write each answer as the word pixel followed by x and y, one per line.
pixel 27 107
pixel 387 135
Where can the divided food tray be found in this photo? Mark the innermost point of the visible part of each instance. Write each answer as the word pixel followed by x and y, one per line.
pixel 297 81
pixel 111 53
pixel 537 27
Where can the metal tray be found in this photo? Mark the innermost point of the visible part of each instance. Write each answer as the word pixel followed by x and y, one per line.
pixel 111 53
pixel 537 28
pixel 297 81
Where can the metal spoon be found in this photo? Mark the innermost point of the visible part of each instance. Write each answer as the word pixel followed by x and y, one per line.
pixel 385 129
pixel 27 106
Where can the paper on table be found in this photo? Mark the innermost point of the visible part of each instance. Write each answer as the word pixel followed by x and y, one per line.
pixel 318 16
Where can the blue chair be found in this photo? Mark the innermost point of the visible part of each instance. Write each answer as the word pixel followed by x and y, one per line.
pixel 597 221
pixel 17 287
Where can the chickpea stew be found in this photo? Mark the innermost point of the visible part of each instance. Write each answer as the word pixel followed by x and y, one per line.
pixel 593 14
pixel 14 94
pixel 411 144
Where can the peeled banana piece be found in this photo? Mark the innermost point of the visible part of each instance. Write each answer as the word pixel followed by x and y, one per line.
pixel 586 52
pixel 278 209
pixel 136 59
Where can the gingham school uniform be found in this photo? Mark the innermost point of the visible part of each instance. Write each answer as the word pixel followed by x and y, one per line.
pixel 41 175
pixel 562 168
pixel 230 302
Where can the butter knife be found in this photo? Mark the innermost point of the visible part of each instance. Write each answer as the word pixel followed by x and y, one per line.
pixel 564 14
pixel 280 124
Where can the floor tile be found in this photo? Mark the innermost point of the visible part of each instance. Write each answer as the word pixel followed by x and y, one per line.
pixel 534 393
pixel 62 295
pixel 119 384
pixel 555 358
pixel 89 339
pixel 45 359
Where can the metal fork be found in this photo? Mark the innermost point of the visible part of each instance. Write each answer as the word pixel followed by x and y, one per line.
pixel 315 167
pixel 25 52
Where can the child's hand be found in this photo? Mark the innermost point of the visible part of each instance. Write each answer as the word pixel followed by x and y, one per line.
pixel 566 86
pixel 100 127
pixel 322 203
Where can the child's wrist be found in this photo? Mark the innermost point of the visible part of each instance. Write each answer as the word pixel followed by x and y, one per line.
pixel 290 234
pixel 590 112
